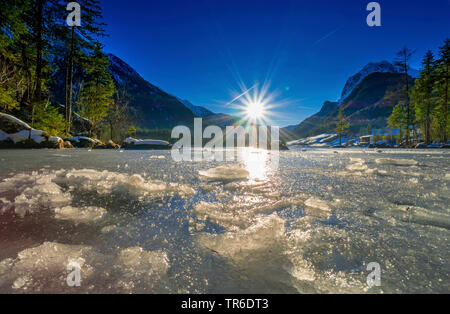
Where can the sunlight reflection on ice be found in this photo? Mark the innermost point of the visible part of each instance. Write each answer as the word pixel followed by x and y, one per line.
pixel 255 161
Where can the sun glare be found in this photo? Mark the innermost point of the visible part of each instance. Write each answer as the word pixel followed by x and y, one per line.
pixel 255 105
pixel 255 110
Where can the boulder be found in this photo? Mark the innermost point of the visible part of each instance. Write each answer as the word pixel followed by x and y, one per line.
pixel 80 126
pixel 381 144
pixel 84 142
pixel 112 145
pixel 135 144
pixel 435 145
pixel 421 146
pixel 109 145
pixel 15 133
pixel 283 146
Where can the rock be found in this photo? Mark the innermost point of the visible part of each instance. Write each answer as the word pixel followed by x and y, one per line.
pixel 421 146
pixel 283 147
pixel 84 142
pixel 382 144
pixel 112 145
pixel 15 133
pixel 57 143
pixel 135 144
pixel 109 145
pixel 80 126
pixel 12 125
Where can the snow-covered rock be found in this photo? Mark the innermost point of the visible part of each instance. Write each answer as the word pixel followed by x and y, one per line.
pixel 80 125
pixel 109 145
pixel 132 143
pixel 87 142
pixel 14 133
pixel 84 142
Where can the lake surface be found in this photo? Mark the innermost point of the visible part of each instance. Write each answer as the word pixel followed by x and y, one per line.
pixel 138 222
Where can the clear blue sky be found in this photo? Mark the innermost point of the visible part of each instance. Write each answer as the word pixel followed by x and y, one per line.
pixel 200 49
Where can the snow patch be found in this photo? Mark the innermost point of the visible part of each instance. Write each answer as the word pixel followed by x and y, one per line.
pixel 417 215
pixel 380 67
pixel 139 261
pixel 27 133
pixel 80 215
pixel 317 204
pixel 232 173
pixel 396 162
pixel 217 213
pixel 77 139
pixel 321 140
pixel 16 121
pixel 134 141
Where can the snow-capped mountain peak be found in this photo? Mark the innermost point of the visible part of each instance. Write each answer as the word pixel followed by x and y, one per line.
pixel 373 67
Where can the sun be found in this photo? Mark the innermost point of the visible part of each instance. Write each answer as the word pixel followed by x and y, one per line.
pixel 255 110
pixel 255 105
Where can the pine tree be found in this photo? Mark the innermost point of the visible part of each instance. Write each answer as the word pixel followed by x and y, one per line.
pixel 81 38
pixel 48 119
pixel 422 96
pixel 12 29
pixel 442 87
pixel 402 62
pixel 342 124
pixel 397 119
pixel 40 16
pixel 120 115
pixel 96 94
pixel 44 15
pixel 36 47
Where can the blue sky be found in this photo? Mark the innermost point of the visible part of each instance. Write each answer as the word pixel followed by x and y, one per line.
pixel 201 49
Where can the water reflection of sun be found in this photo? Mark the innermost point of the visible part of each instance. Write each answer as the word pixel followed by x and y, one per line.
pixel 255 162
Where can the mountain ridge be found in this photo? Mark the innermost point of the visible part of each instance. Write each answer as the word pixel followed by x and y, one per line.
pixel 372 67
pixel 155 107
pixel 368 98
pixel 199 111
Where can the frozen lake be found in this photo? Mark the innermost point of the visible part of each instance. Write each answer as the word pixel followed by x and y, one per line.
pixel 138 222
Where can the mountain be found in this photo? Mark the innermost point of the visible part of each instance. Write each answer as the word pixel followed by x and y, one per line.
pixel 377 67
pixel 155 108
pixel 198 111
pixel 221 120
pixel 367 99
pixel 312 125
